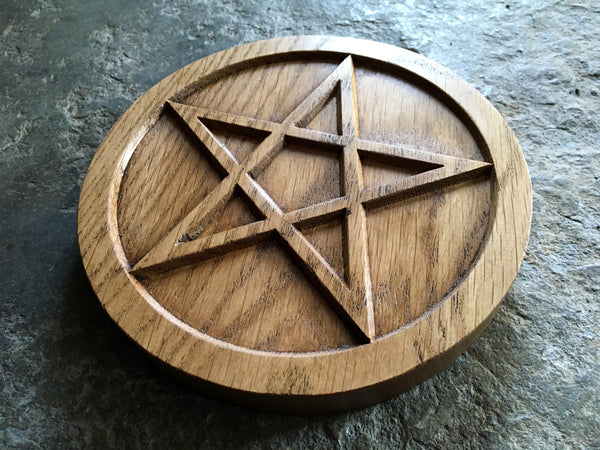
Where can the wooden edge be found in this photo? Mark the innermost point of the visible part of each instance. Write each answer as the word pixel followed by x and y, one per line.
pixel 311 405
pixel 99 228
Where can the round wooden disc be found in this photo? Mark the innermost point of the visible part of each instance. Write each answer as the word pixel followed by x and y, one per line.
pixel 306 223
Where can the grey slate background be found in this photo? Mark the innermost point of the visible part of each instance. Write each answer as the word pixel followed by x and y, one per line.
pixel 68 376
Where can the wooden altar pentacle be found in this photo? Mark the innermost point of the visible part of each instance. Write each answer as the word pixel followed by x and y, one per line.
pixel 307 223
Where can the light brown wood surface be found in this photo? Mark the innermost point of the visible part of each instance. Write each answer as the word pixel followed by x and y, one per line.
pixel 306 223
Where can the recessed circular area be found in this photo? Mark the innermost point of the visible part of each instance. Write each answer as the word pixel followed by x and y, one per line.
pixel 257 296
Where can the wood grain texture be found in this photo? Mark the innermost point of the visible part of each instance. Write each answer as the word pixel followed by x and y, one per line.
pixel 306 223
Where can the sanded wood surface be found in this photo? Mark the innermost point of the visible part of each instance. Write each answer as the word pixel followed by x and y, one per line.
pixel 306 223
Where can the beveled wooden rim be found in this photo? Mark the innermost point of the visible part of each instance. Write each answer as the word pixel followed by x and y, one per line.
pixel 224 365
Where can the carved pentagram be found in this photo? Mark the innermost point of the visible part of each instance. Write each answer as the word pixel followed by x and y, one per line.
pixel 351 295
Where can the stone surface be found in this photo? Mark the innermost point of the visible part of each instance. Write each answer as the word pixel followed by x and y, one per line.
pixel 70 379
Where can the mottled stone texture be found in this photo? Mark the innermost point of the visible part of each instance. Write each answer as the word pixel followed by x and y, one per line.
pixel 70 379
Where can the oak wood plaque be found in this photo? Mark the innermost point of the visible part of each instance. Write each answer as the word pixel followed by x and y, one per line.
pixel 306 223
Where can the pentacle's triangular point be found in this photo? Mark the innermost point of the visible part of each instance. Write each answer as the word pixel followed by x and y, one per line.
pixel 430 171
pixel 171 156
pixel 328 239
pixel 381 169
pixel 327 119
pixel 238 212
pixel 238 140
